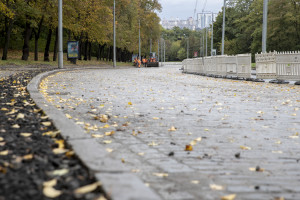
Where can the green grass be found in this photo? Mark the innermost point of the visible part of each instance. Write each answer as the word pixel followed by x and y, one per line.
pixel 253 66
pixel 14 58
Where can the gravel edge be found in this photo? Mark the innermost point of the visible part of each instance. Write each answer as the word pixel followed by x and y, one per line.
pixel 117 180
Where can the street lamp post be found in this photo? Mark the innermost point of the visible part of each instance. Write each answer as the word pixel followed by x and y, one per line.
pixel 140 39
pixel 212 34
pixel 265 25
pixel 164 51
pixel 114 56
pixel 158 51
pixel 223 28
pixel 206 42
pixel 60 36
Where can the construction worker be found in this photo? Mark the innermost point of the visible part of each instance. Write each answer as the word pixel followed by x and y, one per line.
pixel 139 63
pixel 144 62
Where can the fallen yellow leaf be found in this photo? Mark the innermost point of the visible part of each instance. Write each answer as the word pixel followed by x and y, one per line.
pixel 59 151
pixel 106 126
pixel 153 144
pixel 87 188
pixel 50 183
pixel 245 147
pixel 188 147
pixel 1 139
pixel 59 172
pixel 130 103
pixel 68 116
pixel 228 197
pixel 4 153
pixel 172 129
pixel 107 141
pixel 155 118
pixel 216 187
pixel 103 118
pixel 109 133
pixel 46 123
pixel 16 126
pixel 20 116
pixel 26 134
pixel 97 136
pixel 28 157
pixel 4 109
pixel 109 150
pixel 61 143
pixel 195 182
pixel 161 174
pixel 51 192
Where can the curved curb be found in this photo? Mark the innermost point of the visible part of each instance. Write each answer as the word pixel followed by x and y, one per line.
pixel 117 180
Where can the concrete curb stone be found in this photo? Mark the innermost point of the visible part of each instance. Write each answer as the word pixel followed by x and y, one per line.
pixel 116 179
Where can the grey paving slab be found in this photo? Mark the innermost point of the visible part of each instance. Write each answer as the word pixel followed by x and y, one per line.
pixel 258 121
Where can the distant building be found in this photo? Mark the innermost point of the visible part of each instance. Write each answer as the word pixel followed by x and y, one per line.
pixel 170 24
pixel 204 20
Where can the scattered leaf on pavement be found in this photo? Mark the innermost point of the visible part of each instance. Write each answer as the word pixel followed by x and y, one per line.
pixel 216 187
pixel 228 197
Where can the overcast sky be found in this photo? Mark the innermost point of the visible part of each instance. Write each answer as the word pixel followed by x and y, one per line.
pixel 184 9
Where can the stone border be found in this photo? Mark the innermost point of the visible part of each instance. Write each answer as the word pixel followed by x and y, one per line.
pixel 117 180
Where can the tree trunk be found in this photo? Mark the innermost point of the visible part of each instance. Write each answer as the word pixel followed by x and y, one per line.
pixel 8 28
pixel 90 51
pixel 27 35
pixel 85 51
pixel 36 42
pixel 46 54
pixel 55 45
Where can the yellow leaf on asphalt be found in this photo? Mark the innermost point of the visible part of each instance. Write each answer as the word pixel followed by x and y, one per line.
pixel 16 126
pixel 28 157
pixel 50 183
pixel 172 129
pixel 44 117
pixel 53 134
pixel 4 153
pixel 161 174
pixel 50 192
pixel 155 118
pixel 216 187
pixel 228 197
pixel 59 151
pixel 101 198
pixel 46 123
pixel 61 143
pixel 107 141
pixel 68 116
pixel 294 137
pixel 87 188
pixel 4 109
pixel 20 116
pixel 26 134
pixel 206 129
pixel 130 103
pixel 1 139
pixel 59 172
pixel 141 153
pixel 245 147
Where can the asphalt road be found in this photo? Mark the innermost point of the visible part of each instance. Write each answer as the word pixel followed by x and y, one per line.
pixel 244 135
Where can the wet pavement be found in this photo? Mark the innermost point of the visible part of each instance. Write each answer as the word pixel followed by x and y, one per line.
pixel 244 136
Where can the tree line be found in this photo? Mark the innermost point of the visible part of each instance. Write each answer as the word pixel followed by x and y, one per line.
pixel 31 25
pixel 243 32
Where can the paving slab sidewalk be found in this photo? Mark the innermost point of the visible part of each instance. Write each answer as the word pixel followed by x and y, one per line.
pixel 245 135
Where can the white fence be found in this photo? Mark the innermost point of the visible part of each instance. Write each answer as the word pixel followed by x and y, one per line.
pixel 237 66
pixel 279 65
